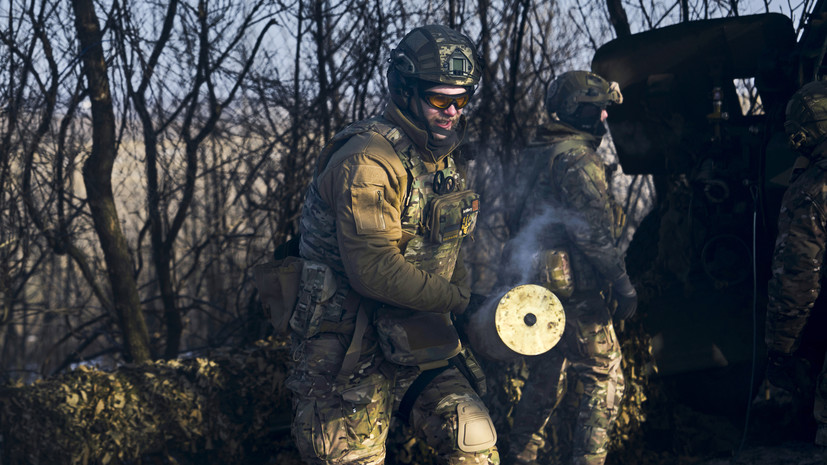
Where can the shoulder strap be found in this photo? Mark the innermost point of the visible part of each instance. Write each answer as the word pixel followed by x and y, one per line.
pixel 377 124
pixel 419 384
pixel 354 301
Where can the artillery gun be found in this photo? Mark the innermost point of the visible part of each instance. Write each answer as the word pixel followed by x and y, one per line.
pixel 703 114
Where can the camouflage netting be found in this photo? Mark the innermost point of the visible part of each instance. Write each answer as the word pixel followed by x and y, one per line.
pixel 229 407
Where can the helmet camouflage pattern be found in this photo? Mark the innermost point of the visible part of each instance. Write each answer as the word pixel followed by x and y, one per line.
pixel 433 55
pixel 806 124
pixel 575 97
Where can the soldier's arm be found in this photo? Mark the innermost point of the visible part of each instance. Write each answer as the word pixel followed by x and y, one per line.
pixel 460 276
pixel 367 193
pixel 796 270
pixel 582 180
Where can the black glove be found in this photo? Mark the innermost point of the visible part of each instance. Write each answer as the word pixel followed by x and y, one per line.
pixel 625 296
pixel 474 304
pixel 462 317
pixel 786 372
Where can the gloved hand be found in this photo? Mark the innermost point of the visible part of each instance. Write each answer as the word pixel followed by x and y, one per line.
pixel 463 316
pixel 477 300
pixel 474 302
pixel 786 372
pixel 626 297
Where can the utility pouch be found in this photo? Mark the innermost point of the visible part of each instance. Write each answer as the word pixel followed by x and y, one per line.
pixel 555 272
pixel 318 285
pixel 278 287
pixel 413 338
pixel 471 369
pixel 453 215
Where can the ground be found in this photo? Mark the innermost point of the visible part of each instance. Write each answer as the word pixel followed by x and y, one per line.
pixel 788 453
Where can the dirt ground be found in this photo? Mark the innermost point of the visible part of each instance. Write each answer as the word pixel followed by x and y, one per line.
pixel 692 429
pixel 788 453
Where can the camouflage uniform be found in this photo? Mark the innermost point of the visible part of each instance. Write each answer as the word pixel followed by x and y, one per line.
pixel 798 261
pixel 570 199
pixel 363 220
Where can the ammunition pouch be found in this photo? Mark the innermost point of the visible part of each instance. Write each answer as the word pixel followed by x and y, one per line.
pixel 554 269
pixel 414 338
pixel 317 307
pixel 278 285
pixel 453 216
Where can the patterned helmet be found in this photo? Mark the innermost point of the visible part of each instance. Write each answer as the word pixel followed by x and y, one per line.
pixel 806 124
pixel 432 55
pixel 578 97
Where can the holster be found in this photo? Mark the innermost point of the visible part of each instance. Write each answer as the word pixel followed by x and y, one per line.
pixel 278 284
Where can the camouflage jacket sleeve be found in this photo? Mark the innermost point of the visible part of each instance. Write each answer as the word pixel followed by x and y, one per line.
pixel 797 261
pixel 460 276
pixel 365 185
pixel 581 180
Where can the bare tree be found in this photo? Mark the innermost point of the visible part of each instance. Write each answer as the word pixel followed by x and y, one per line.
pixel 216 118
pixel 97 175
pixel 617 16
pixel 198 109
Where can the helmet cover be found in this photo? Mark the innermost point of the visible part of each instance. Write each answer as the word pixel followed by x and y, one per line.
pixel 806 116
pixel 578 97
pixel 429 56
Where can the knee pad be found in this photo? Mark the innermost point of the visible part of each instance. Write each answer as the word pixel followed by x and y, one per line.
pixel 475 429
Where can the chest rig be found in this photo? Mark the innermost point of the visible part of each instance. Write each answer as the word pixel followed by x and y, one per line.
pixel 438 213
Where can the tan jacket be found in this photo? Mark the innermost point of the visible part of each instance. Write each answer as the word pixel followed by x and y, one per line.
pixel 365 184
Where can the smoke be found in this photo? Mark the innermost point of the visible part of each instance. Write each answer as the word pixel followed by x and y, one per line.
pixel 522 250
pixel 504 183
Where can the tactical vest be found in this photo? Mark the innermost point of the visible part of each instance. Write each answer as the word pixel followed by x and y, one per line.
pixel 454 208
pixel 438 212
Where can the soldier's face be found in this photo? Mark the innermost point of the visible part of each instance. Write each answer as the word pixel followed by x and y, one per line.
pixel 447 118
pixel 603 115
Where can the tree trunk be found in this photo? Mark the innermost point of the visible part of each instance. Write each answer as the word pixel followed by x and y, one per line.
pixel 97 176
pixel 618 18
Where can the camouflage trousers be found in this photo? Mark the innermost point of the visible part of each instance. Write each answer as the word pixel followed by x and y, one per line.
pixel 336 423
pixel 590 352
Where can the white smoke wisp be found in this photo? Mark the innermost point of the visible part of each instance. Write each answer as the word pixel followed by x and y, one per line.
pixel 528 243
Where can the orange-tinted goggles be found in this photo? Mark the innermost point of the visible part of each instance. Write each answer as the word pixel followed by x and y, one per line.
pixel 443 101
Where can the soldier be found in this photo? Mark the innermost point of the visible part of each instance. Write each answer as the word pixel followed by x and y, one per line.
pixel 798 261
pixel 578 259
pixel 381 229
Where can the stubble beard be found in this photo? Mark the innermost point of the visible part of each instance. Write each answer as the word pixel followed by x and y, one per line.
pixel 454 120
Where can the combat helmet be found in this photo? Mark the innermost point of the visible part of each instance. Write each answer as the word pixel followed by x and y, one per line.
pixel 578 98
pixel 806 124
pixel 428 56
